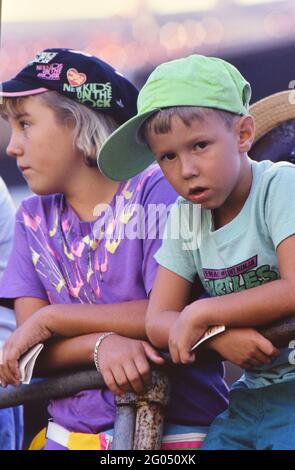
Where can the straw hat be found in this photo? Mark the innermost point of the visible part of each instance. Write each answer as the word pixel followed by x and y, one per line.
pixel 272 111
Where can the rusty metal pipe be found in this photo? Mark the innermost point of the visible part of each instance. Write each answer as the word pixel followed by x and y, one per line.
pixel 124 426
pixel 50 388
pixel 150 413
pixel 280 333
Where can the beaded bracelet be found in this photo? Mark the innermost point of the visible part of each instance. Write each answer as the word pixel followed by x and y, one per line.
pixel 97 344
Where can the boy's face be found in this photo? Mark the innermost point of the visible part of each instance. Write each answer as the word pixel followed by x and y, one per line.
pixel 203 161
pixel 43 148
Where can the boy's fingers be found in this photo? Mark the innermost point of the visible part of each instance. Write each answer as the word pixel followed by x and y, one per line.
pixel 174 348
pixel 254 363
pixel 174 353
pixel 247 365
pixel 262 358
pixel 268 348
pixel 187 357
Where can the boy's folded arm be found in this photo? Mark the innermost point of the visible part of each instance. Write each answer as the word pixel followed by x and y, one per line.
pixel 259 305
pixel 170 294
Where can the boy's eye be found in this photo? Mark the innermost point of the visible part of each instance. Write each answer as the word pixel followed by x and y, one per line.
pixel 200 145
pixel 167 156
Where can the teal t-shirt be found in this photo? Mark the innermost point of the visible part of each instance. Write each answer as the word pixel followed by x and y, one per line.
pixel 241 254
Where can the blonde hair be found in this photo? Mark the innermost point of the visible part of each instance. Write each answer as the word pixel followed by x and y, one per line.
pixel 91 128
pixel 160 122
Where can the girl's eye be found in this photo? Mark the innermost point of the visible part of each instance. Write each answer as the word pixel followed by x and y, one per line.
pixel 200 145
pixel 24 124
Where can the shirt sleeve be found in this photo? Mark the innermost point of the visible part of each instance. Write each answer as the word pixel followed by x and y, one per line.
pixel 176 252
pixel 157 201
pixel 280 203
pixel 20 278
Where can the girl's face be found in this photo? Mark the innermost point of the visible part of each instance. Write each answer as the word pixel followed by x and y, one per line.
pixel 44 148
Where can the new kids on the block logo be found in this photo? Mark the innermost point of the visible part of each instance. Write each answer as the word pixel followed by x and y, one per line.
pixel 95 94
pixel 242 276
pixel 49 71
pixel 76 78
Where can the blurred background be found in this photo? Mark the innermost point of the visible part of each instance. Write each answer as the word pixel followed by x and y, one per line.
pixel 258 36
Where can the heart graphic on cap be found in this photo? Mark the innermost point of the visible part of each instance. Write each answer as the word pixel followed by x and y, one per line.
pixel 75 78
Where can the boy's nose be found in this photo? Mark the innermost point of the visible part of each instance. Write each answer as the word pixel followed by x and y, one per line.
pixel 189 168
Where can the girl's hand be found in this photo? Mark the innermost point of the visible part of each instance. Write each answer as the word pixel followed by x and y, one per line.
pixel 184 333
pixel 31 332
pixel 245 347
pixel 124 363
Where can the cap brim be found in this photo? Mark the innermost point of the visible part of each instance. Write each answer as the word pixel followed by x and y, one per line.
pixel 16 88
pixel 272 111
pixel 122 155
pixel 135 157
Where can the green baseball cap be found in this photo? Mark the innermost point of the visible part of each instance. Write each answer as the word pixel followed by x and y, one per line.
pixel 196 80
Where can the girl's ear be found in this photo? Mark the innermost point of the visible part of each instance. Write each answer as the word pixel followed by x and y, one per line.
pixel 246 133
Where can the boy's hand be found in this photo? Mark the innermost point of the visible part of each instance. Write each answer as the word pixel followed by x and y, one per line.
pixel 124 363
pixel 184 333
pixel 31 332
pixel 245 347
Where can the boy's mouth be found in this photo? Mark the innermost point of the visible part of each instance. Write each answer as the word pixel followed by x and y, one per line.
pixel 196 191
pixel 198 194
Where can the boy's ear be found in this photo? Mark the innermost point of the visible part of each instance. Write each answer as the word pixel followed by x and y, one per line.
pixel 246 133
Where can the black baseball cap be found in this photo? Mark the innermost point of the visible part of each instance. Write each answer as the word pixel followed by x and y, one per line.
pixel 78 76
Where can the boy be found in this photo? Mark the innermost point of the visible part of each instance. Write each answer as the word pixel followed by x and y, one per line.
pixel 193 117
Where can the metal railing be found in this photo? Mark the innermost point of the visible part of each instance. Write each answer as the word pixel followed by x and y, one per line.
pixel 139 418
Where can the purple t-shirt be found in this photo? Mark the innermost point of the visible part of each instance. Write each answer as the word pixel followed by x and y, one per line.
pixel 59 258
